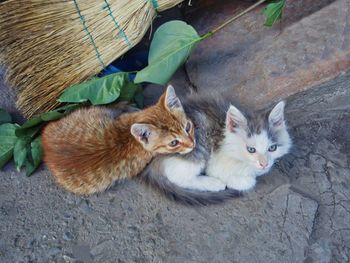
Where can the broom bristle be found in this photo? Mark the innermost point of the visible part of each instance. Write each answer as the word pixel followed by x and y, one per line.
pixel 47 46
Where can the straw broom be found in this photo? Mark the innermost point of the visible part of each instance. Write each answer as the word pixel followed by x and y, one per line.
pixel 49 45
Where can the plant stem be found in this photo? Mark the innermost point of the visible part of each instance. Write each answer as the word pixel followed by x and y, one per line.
pixel 209 34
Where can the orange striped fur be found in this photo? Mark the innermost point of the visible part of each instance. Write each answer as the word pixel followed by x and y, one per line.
pixel 88 150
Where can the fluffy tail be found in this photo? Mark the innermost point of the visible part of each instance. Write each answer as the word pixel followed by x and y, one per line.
pixel 153 175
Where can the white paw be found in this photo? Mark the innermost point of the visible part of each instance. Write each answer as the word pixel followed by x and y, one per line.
pixel 243 183
pixel 211 184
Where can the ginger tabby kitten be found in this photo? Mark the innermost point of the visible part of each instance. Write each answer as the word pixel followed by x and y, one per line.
pixel 88 150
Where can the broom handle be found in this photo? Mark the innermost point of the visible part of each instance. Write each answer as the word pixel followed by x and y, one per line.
pixel 209 34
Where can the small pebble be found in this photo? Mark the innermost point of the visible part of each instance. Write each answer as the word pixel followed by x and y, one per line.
pixel 68 236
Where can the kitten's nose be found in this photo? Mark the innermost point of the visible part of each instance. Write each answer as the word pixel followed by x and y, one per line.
pixel 193 144
pixel 262 161
pixel 263 164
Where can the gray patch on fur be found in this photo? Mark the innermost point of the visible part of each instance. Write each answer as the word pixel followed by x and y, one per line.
pixel 258 122
pixel 208 114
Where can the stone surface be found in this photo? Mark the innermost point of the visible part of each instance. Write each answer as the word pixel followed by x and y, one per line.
pixel 300 212
pixel 262 64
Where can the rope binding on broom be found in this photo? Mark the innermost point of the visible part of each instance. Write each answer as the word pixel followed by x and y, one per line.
pixel 154 3
pixel 82 19
pixel 121 31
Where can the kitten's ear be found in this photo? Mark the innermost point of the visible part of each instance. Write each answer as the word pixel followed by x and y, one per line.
pixel 276 116
pixel 235 119
pixel 144 133
pixel 171 101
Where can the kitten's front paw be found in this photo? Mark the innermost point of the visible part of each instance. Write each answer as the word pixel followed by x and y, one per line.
pixel 241 183
pixel 211 184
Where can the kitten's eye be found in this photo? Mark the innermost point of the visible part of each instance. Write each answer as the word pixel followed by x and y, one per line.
pixel 174 143
pixel 251 149
pixel 188 127
pixel 273 148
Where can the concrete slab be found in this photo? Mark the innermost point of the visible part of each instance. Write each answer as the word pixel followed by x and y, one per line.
pixel 298 212
pixel 261 64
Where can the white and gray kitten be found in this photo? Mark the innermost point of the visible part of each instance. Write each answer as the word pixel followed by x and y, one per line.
pixel 249 148
pixel 232 149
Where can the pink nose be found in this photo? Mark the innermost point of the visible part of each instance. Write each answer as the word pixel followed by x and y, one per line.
pixel 263 165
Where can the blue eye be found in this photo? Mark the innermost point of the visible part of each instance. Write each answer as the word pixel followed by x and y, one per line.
pixel 174 143
pixel 251 149
pixel 273 148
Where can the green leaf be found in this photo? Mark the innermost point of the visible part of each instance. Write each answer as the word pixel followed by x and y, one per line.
pixel 139 99
pixel 127 92
pixel 99 90
pixel 32 126
pixel 20 152
pixel 132 93
pixel 28 154
pixel 171 45
pixel 7 142
pixel 28 132
pixel 4 117
pixel 37 151
pixel 273 12
pixel 36 155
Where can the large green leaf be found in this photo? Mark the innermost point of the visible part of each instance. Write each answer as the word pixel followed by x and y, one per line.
pixel 273 12
pixel 7 142
pixel 32 126
pixel 4 117
pixel 99 90
pixel 171 45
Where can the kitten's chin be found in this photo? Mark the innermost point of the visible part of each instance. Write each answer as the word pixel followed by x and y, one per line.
pixel 186 151
pixel 261 171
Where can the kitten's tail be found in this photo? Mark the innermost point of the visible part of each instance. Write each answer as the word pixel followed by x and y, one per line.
pixel 153 175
